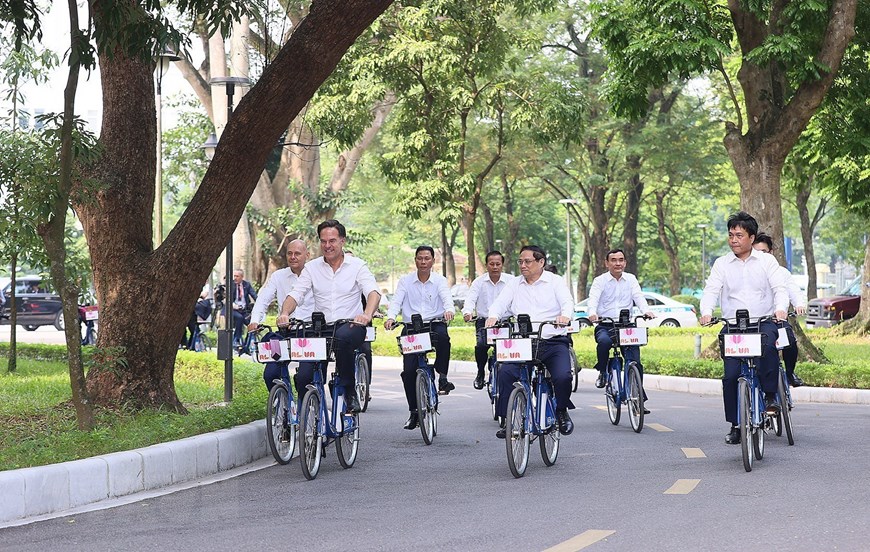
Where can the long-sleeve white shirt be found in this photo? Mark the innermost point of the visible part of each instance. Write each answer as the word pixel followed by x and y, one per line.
pixel 336 293
pixel 483 292
pixel 544 300
pixel 795 297
pixel 430 299
pixel 279 286
pixel 756 284
pixel 608 296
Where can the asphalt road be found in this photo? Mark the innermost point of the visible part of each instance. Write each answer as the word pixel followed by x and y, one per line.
pixel 43 334
pixel 611 489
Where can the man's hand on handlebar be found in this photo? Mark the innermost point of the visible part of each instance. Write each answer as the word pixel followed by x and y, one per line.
pixel 593 318
pixel 706 319
pixel 490 322
pixel 781 315
pixel 253 326
pixel 563 321
pixel 448 315
pixel 389 324
pixel 362 319
pixel 649 315
pixel 283 320
pixel 467 317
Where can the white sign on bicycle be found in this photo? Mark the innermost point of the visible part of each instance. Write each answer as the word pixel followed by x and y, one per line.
pixel 574 326
pixel 91 312
pixel 308 348
pixel 370 333
pixel 742 345
pixel 496 333
pixel 513 350
pixel 415 343
pixel 632 336
pixel 781 339
pixel 267 349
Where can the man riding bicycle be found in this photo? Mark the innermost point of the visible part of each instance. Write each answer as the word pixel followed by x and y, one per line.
pixel 483 292
pixel 336 280
pixel 610 293
pixel 747 279
pixel 425 293
pixel 544 297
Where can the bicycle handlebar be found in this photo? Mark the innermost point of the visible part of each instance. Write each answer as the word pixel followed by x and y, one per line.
pixel 616 322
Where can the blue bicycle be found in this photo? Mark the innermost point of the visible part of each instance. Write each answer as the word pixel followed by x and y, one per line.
pixel 531 411
pixel 417 341
pixel 624 382
pixel 282 422
pixel 742 339
pixel 500 330
pixel 783 395
pixel 318 425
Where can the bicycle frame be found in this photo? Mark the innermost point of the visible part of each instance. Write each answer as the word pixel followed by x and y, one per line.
pixel 417 327
pixel 616 361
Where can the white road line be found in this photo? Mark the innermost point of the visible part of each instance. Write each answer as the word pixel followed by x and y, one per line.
pixel 581 541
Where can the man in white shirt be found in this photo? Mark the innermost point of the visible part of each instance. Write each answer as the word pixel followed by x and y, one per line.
pixel 484 289
pixel 337 281
pixel 751 280
pixel 278 287
pixel 425 293
pixel 610 293
pixel 764 243
pixel 544 297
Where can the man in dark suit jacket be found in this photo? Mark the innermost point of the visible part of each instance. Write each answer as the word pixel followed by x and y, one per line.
pixel 243 296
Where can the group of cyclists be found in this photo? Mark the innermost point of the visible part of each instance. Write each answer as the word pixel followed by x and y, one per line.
pixel 343 288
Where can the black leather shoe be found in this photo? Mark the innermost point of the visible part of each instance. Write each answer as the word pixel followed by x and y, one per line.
pixel 601 381
pixel 413 421
pixel 566 426
pixel 445 387
pixel 478 381
pixel 733 438
pixel 501 433
pixel 645 410
pixel 352 401
pixel 795 381
pixel 771 406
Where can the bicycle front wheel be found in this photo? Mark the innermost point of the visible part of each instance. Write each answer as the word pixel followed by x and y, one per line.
pixel 575 369
pixel 492 390
pixel 635 398
pixel 362 375
pixel 280 432
pixel 311 444
pixel 785 409
pixel 424 410
pixel 611 391
pixel 744 413
pixel 348 443
pixel 517 440
pixel 550 444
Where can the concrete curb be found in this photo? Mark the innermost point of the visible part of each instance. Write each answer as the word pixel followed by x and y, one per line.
pixel 35 493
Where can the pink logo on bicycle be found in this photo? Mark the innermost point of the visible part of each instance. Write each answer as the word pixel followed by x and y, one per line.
pixel 302 343
pixel 507 343
pixel 411 338
pixel 629 331
pixel 736 339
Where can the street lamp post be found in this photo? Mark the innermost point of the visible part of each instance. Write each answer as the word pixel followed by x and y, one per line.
pixel 703 228
pixel 225 336
pixel 567 202
pixel 162 66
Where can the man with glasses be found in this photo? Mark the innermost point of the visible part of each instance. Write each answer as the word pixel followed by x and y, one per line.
pixel 336 280
pixel 425 293
pixel 484 289
pixel 544 297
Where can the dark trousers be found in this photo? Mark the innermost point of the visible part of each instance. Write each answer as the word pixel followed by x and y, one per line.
pixel 767 367
pixel 790 353
pixel 240 318
pixel 348 338
pixel 410 363
pixel 481 349
pixel 553 353
pixel 605 344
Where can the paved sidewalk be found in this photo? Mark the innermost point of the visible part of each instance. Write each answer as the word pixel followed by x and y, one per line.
pixel 33 494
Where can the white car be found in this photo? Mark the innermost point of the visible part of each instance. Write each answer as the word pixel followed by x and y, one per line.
pixel 669 313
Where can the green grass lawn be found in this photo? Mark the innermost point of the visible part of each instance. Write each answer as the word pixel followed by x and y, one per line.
pixel 39 422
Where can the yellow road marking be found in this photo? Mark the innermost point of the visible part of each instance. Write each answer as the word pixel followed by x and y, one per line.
pixel 659 427
pixel 599 407
pixel 683 486
pixel 694 453
pixel 581 541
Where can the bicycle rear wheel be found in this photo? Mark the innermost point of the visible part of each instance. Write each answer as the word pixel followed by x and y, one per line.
pixel 424 410
pixel 575 368
pixel 311 444
pixel 550 442
pixel 517 440
pixel 361 373
pixel 492 390
pixel 744 413
pixel 784 410
pixel 280 432
pixel 635 398
pixel 348 443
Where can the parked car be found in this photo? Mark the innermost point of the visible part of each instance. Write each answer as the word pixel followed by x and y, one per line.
pixel 38 304
pixel 830 311
pixel 669 313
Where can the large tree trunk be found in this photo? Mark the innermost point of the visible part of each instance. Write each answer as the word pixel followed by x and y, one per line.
pixel 860 324
pixel 808 227
pixel 583 273
pixel 145 294
pixel 510 243
pixel 670 250
pixel 632 212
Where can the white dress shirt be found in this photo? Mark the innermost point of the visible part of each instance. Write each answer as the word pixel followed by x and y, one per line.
pixel 546 299
pixel 430 299
pixel 608 296
pixel 336 293
pixel 795 296
pixel 279 286
pixel 483 292
pixel 756 284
